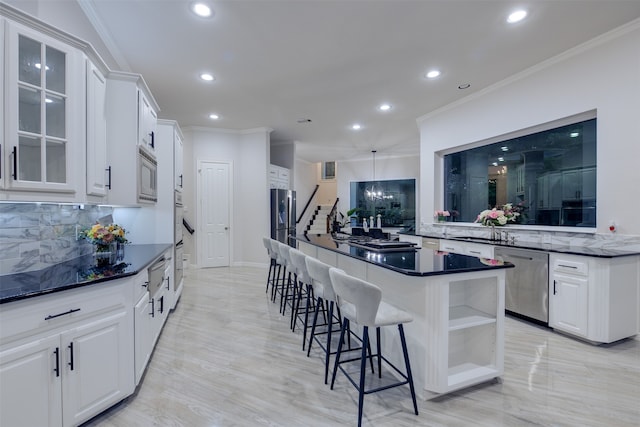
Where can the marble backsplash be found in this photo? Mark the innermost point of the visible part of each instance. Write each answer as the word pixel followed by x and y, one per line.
pixel 34 236
pixel 522 234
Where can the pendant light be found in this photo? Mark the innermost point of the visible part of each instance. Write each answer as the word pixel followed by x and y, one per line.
pixel 374 193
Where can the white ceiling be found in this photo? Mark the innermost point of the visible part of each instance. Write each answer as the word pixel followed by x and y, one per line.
pixel 333 62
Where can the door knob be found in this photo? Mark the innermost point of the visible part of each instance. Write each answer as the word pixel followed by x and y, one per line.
pixel 226 228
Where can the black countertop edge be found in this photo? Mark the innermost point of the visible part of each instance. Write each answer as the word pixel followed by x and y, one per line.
pixel 545 247
pixel 31 284
pixel 340 248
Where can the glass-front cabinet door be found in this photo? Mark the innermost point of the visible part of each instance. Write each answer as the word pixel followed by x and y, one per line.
pixel 42 108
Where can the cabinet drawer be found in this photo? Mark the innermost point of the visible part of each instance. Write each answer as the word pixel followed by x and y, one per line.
pixel 479 250
pixel 452 247
pixel 571 266
pixel 48 312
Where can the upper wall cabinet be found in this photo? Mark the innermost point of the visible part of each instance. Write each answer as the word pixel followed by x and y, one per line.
pixel 98 172
pixel 131 128
pixel 44 122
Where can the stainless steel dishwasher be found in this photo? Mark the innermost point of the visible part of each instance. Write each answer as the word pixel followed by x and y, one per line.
pixel 527 286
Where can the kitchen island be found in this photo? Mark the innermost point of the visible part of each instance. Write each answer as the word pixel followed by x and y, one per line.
pixel 457 337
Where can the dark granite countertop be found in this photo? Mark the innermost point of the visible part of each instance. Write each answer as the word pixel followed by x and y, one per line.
pixel 546 247
pixel 412 262
pixel 77 272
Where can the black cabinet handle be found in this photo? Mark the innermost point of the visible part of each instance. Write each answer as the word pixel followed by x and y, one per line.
pixel 57 368
pixel 153 139
pixel 568 266
pixel 180 180
pixel 108 180
pixel 168 284
pixel 71 355
pixel 554 287
pixel 153 309
pixel 145 285
pixel 15 163
pixel 53 316
pixel 161 304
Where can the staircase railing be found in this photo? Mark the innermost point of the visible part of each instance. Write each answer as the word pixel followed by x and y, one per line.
pixel 308 203
pixel 332 215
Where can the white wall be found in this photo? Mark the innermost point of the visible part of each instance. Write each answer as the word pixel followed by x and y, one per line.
pixel 387 168
pixel 248 152
pixel 602 75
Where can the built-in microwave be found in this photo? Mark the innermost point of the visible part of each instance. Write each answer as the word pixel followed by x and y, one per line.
pixel 147 177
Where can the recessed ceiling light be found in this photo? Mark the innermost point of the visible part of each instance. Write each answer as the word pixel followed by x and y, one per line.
pixel 201 9
pixel 207 77
pixel 504 148
pixel 384 107
pixel 501 159
pixel 356 126
pixel 517 16
pixel 432 74
pixel 214 116
pixel 464 86
pixel 574 134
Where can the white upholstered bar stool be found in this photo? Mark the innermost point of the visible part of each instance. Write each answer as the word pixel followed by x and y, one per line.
pixel 273 258
pixel 323 292
pixel 288 294
pixel 361 303
pixel 280 276
pixel 303 288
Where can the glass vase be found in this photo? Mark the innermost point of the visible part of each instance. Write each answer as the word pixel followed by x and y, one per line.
pixel 105 254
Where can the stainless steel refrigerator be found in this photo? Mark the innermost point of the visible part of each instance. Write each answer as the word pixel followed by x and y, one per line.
pixel 283 215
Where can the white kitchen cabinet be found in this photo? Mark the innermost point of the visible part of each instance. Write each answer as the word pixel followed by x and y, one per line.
pixel 44 124
pixel 478 250
pixel 98 172
pixel 66 356
pixel 569 297
pixel 169 153
pixel 178 166
pixel 130 111
pixel 147 118
pixel 98 371
pixel 594 298
pixel 279 177
pixel 30 383
pixel 143 339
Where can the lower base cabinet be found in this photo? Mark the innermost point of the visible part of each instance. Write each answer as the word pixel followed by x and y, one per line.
pixel 143 338
pixel 594 298
pixel 63 370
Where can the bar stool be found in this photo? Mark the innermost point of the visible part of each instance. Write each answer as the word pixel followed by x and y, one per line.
pixel 361 303
pixel 288 294
pixel 298 259
pixel 266 241
pixel 323 291
pixel 279 282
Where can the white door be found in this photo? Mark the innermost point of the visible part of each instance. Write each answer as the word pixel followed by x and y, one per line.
pixel 214 223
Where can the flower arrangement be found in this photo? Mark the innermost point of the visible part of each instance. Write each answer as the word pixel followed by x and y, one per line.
pixel 441 215
pixel 493 217
pixel 491 262
pixel 104 235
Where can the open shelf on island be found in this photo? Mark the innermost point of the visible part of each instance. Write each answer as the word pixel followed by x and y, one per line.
pixel 463 316
pixel 470 372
